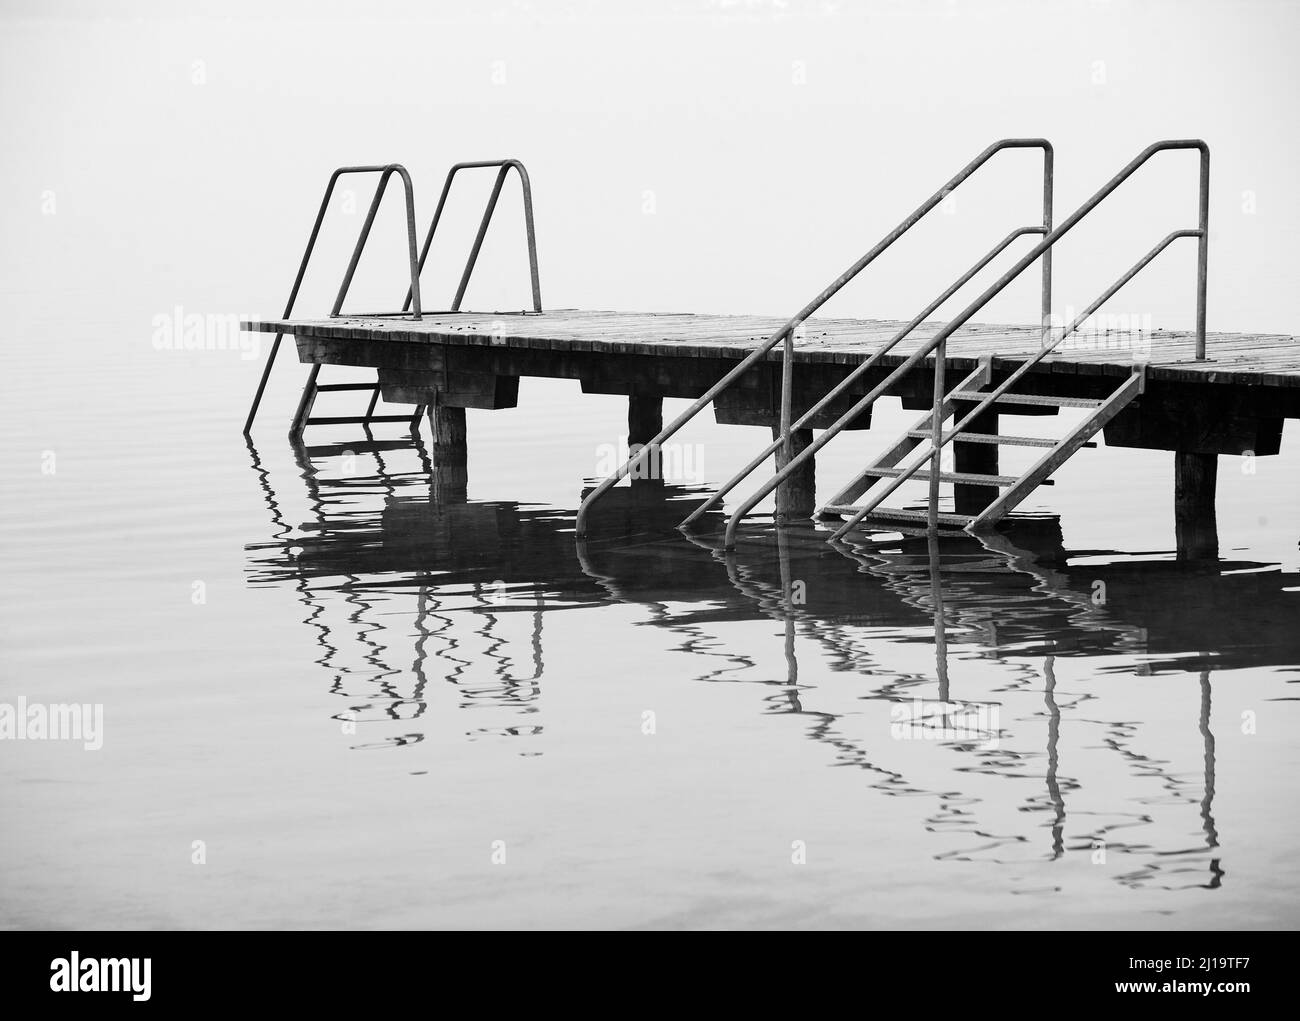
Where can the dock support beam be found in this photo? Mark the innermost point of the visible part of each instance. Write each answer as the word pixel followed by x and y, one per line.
pixel 796 497
pixel 450 452
pixel 1195 527
pixel 645 420
pixel 976 458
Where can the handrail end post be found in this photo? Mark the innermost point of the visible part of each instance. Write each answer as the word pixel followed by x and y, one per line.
pixel 729 535
pixel 1203 251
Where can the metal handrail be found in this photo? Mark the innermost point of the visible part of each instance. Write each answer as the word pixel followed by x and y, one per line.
pixel 786 332
pixel 412 302
pixel 862 368
pixel 387 169
pixel 1002 388
pixel 506 166
pixel 940 339
pixel 364 236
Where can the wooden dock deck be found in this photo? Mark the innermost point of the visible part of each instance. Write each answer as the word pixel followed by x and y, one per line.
pixel 1271 360
pixel 1232 402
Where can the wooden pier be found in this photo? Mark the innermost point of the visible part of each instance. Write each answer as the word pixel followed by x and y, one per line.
pixel 805 379
pixel 1232 402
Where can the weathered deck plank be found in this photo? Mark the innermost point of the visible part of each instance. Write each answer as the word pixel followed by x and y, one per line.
pixel 1270 360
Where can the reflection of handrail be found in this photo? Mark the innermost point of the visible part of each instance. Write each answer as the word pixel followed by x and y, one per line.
pixel 787 331
pixel 1207 735
pixel 387 170
pixel 490 620
pixel 1052 777
pixel 876 355
pixel 940 619
pixel 938 342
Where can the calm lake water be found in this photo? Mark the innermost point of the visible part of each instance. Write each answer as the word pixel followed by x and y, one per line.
pixel 381 677
pixel 340 690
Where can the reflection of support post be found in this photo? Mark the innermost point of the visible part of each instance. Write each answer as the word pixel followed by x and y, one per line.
pixel 450 453
pixel 796 497
pixel 975 458
pixel 940 625
pixel 1197 532
pixel 645 420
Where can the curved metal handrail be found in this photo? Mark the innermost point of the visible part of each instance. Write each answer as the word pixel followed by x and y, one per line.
pixel 412 301
pixel 786 332
pixel 387 169
pixel 940 339
pixel 505 167
pixel 364 236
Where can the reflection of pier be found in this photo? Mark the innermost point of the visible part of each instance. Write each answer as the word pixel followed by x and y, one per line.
pixel 475 581
pixel 939 570
pixel 964 592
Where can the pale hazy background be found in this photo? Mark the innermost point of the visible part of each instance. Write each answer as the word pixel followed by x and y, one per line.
pixel 774 142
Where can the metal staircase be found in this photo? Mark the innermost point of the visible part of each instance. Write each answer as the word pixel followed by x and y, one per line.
pixel 1013 488
pixel 946 405
pixel 933 352
pixel 785 336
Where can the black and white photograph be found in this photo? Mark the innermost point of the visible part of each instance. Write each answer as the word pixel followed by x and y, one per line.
pixel 699 465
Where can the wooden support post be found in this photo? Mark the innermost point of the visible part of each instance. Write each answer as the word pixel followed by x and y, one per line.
pixel 449 445
pixel 645 419
pixel 450 452
pixel 1195 527
pixel 796 497
pixel 978 458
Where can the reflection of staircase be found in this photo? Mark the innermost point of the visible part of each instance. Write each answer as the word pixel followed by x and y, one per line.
pixel 996 591
pixel 1014 489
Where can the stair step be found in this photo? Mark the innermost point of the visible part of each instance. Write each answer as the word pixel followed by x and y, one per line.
pixel 1002 438
pixel 886 514
pixel 328 387
pixel 918 532
pixel 969 478
pixel 1054 402
pixel 358 419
